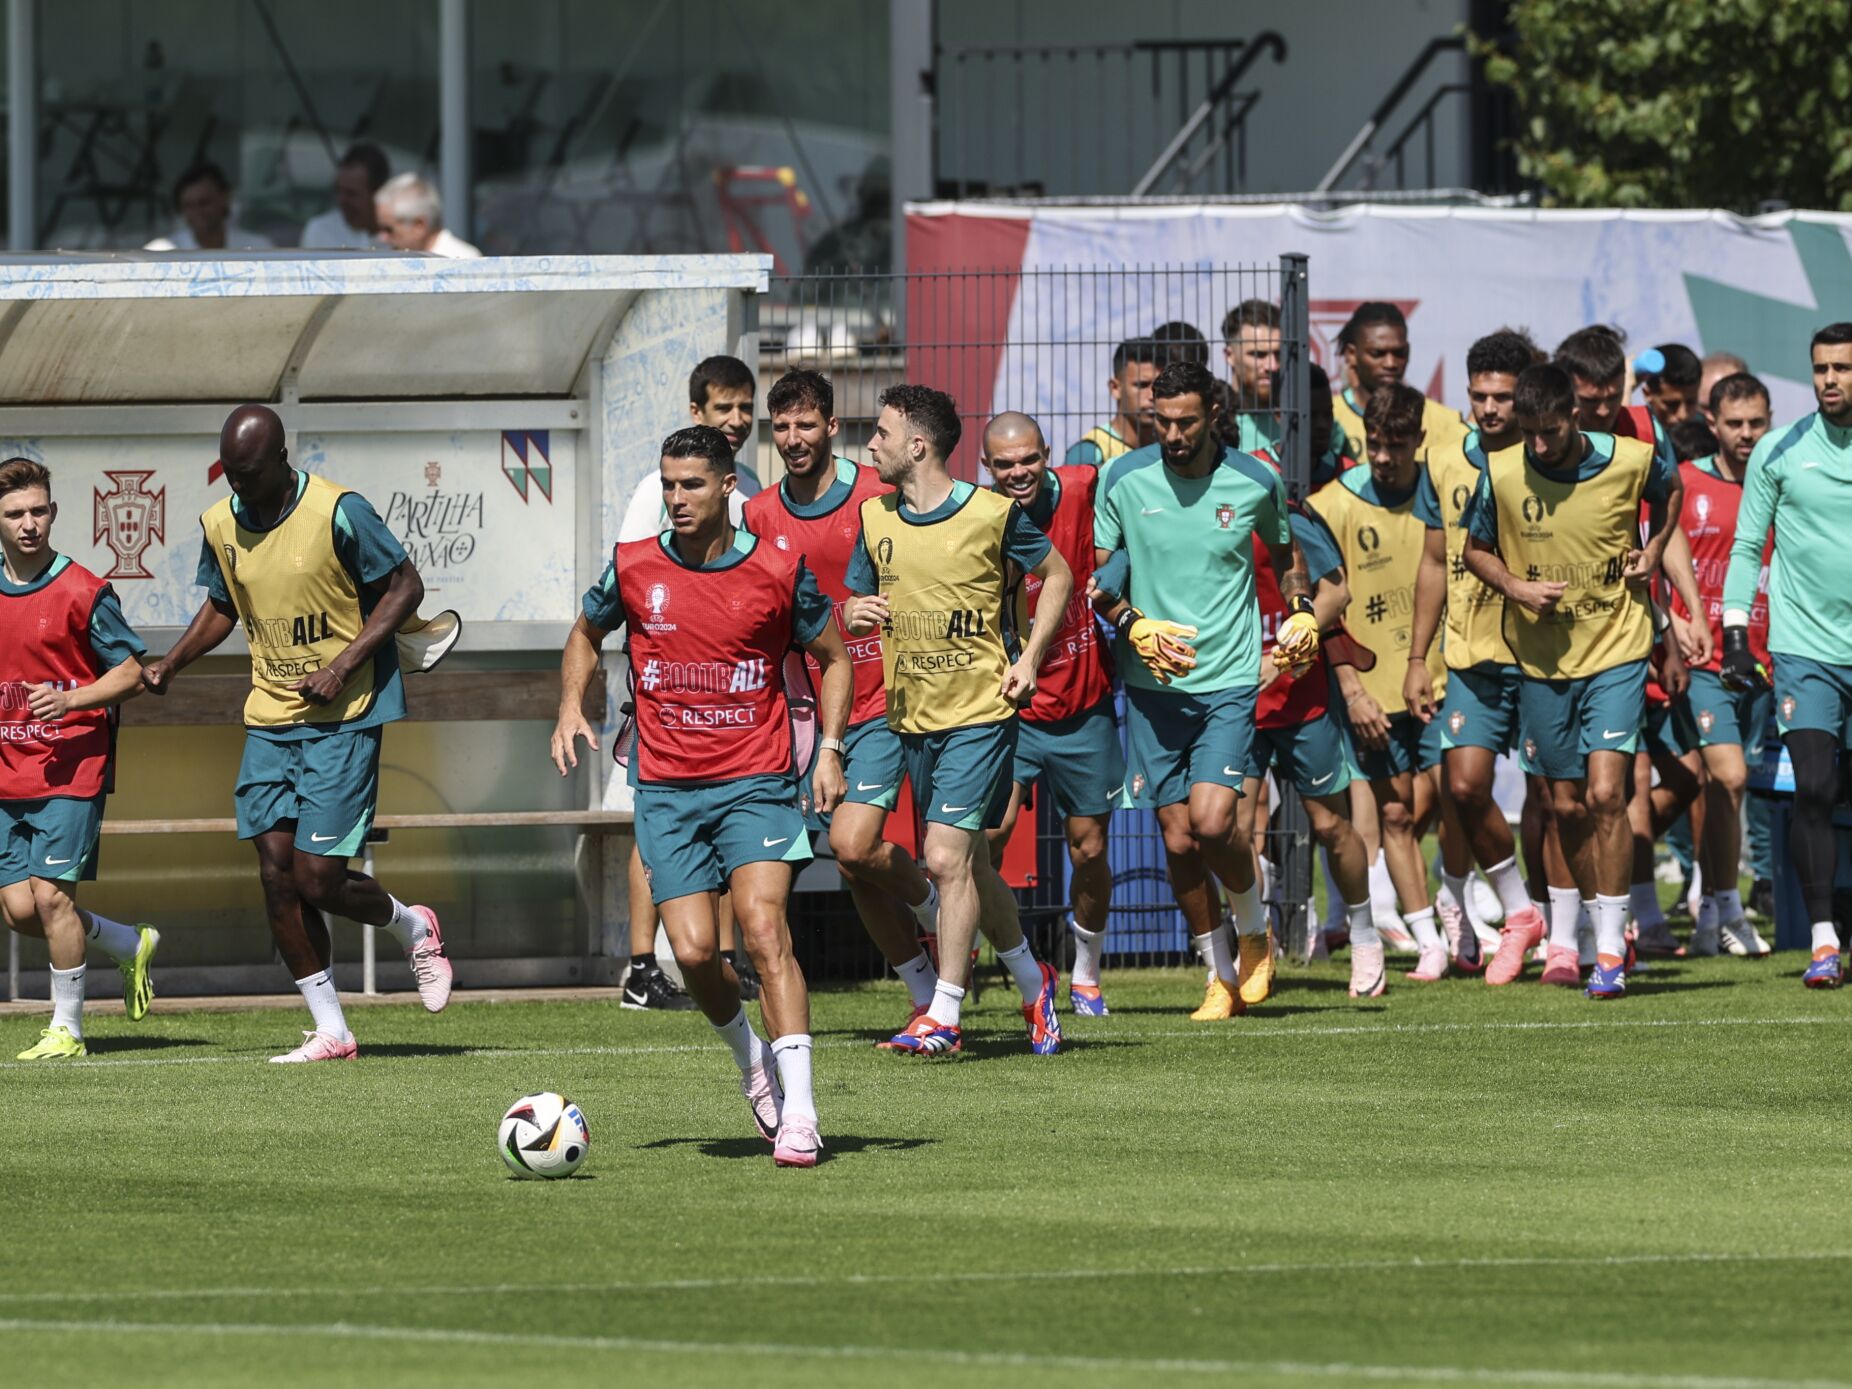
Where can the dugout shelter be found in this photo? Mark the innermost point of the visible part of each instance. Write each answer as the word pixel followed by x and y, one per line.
pixel 497 413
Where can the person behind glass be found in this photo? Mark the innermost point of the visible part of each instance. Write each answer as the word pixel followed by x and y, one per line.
pixel 202 197
pixel 411 218
pixel 352 224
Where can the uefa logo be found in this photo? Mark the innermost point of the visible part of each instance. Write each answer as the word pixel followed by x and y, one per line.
pixel 1533 509
pixel 1368 540
pixel 658 599
pixel 884 550
pixel 1460 496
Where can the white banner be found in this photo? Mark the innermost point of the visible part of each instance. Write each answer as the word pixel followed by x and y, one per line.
pixel 485 515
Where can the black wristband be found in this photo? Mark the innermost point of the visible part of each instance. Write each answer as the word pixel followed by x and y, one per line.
pixel 1299 603
pixel 1123 622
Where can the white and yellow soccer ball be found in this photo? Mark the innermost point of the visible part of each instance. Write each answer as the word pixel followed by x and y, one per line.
pixel 544 1135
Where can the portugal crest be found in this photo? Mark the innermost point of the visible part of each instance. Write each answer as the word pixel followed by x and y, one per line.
pixel 1224 515
pixel 1456 721
pixel 128 517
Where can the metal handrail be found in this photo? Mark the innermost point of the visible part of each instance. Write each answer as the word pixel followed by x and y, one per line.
pixel 1267 41
pixel 1386 107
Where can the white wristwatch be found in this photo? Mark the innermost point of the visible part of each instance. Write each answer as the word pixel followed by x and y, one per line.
pixel 834 745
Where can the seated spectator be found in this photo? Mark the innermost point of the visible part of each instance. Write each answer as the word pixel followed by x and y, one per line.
pixel 411 218
pixel 352 224
pixel 202 197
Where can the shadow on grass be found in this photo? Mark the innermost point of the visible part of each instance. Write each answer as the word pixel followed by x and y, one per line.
pixel 418 1048
pixel 833 1144
pixel 109 1046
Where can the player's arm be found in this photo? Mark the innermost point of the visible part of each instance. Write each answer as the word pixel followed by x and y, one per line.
pixel 1692 638
pixel 215 621
pixel 398 599
pixel 601 612
pixel 836 693
pixel 1057 587
pixel 866 608
pixel 1741 670
pixel 1486 564
pixel 1430 601
pixel 1296 645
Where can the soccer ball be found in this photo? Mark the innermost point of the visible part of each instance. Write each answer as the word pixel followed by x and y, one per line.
pixel 543 1135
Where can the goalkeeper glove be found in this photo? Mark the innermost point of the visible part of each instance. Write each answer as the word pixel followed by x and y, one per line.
pixel 1163 646
pixel 1296 646
pixel 1741 671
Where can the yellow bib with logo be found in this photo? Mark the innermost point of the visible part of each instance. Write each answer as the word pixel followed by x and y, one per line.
pixel 1109 444
pixel 1441 428
pixel 1382 548
pixel 1475 630
pixel 298 604
pixel 1577 533
pixel 951 619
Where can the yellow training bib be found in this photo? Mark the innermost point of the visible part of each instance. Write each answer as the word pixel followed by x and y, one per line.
pixel 1578 533
pixel 1475 628
pixel 1441 428
pixel 1109 444
pixel 1382 548
pixel 951 626
pixel 299 606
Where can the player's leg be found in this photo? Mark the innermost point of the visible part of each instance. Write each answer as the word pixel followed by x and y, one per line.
pixel 1609 703
pixel 645 984
pixel 869 864
pixel 42 909
pixel 337 792
pixel 1081 763
pixel 1222 820
pixel 1813 702
pixel 1328 816
pixel 1677 794
pixel 1395 807
pixel 760 892
pixel 1469 772
pixel 735 956
pixel 1456 868
pixel 1090 901
pixel 302 941
pixel 1730 732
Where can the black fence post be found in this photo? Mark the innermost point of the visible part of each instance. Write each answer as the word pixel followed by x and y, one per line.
pixel 1294 839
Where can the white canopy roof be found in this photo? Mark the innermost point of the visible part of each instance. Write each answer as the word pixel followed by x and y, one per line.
pixel 175 327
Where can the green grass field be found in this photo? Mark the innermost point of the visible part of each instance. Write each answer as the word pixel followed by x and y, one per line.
pixel 1451 1184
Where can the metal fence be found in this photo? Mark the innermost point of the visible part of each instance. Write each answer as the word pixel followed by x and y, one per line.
pixel 1044 342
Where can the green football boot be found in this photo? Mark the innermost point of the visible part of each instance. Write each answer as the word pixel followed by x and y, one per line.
pixel 137 983
pixel 54 1044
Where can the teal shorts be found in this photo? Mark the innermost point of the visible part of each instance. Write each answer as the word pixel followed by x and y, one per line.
pixel 1481 709
pixel 54 839
pixel 1313 755
pixel 1175 740
pixel 325 786
pixel 1812 694
pixel 962 776
pixel 1413 746
pixel 871 770
pixel 1564 721
pixel 693 837
pixel 1079 760
pixel 1729 716
pixel 1670 730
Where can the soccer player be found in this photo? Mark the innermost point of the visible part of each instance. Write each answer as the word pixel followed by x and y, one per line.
pixel 1730 723
pixel 1596 361
pixel 1376 353
pixel 1712 368
pixel 816 513
pixel 1135 364
pixel 320 587
pixel 67 657
pixel 1069 739
pixel 720 394
pixel 933 572
pixel 710 612
pixel 1669 375
pixel 1479 719
pixel 1371 514
pixel 1251 346
pixel 1186 512
pixel 1799 482
pixel 1554 526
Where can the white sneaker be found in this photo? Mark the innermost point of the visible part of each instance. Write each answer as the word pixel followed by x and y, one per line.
pixel 1482 905
pixel 430 966
pixel 318 1046
pixel 1740 938
pixel 1395 935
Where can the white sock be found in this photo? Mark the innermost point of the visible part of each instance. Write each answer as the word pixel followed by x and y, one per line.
pixel 1421 927
pixel 927 912
pixel 1024 970
pixel 1362 925
pixel 1610 926
pixel 1565 912
pixel 67 1000
pixel 792 1053
pixel 748 1051
pixel 1729 904
pixel 919 976
pixel 1454 885
pixel 1213 949
pixel 1250 915
pixel 1382 887
pixel 1086 954
pixel 1643 901
pixel 1825 936
pixel 115 940
pixel 1265 880
pixel 1508 883
pixel 407 927
pixel 324 1005
pixel 947 999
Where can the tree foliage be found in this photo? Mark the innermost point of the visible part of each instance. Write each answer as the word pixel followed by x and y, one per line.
pixel 1687 103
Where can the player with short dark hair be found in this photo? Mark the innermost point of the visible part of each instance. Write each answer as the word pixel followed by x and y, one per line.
pixel 1069 739
pixel 1375 347
pixel 1554 526
pixel 1135 365
pixel 815 512
pixel 710 612
pixel 321 589
pixel 1186 512
pixel 1251 347
pixel 1596 359
pixel 1799 482
pixel 1669 375
pixel 934 570
pixel 720 394
pixel 68 657
pixel 1479 718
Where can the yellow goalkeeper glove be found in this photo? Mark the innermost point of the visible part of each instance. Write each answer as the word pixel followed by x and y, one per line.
pixel 1163 646
pixel 1296 646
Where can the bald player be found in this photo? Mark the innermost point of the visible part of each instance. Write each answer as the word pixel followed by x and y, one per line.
pixel 1069 740
pixel 320 587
